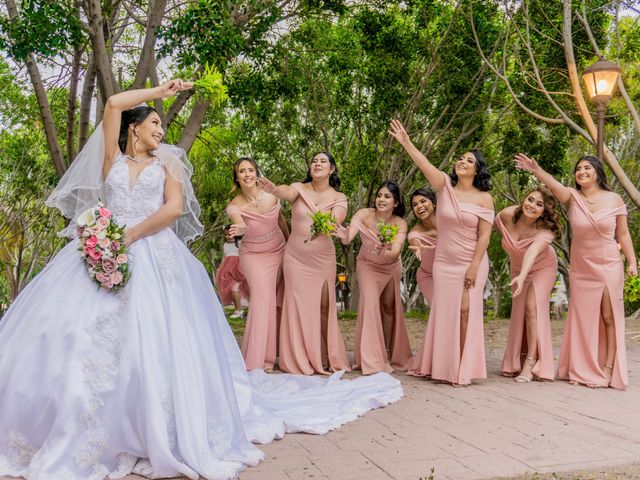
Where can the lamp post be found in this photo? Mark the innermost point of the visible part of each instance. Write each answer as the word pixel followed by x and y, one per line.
pixel 600 80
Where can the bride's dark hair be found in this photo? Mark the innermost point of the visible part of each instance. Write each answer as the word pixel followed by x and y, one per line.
pixel 133 115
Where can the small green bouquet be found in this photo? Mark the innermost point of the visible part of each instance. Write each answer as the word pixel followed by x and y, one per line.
pixel 632 289
pixel 387 233
pixel 323 225
pixel 210 86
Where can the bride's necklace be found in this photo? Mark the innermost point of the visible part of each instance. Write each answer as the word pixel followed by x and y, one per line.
pixel 137 161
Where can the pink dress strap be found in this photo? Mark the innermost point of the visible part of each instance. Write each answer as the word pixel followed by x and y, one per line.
pixel 482 213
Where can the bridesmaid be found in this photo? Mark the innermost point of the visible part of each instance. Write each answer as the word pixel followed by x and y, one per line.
pixel 382 341
pixel 310 338
pixel 256 215
pixel 527 232
pixel 593 349
pixel 453 348
pixel 423 238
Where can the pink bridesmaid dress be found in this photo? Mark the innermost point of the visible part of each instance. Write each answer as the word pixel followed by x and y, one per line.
pixel 374 352
pixel 595 265
pixel 541 278
pixel 304 347
pixel 261 253
pixel 424 275
pixel 440 356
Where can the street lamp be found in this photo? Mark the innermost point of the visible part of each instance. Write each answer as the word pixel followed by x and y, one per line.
pixel 600 79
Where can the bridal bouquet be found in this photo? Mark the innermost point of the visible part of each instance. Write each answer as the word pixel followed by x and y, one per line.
pixel 387 233
pixel 103 249
pixel 323 224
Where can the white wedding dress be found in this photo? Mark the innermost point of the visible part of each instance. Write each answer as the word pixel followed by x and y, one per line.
pixel 150 380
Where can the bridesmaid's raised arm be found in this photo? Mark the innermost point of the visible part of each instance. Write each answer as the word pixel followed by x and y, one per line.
pixel 283 192
pixel 562 193
pixel 433 174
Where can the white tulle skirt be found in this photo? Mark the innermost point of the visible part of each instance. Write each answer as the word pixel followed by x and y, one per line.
pixel 150 380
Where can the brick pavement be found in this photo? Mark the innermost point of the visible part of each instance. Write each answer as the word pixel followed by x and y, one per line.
pixel 495 428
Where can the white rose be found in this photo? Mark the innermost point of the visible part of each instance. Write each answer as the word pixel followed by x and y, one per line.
pixel 86 218
pixel 101 234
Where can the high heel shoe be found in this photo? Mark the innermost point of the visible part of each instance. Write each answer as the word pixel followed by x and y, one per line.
pixel 524 378
pixel 237 314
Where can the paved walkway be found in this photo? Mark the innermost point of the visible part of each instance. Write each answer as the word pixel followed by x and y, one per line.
pixel 495 428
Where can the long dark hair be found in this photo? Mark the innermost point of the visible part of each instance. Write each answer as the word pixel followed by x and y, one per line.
pixel 237 164
pixel 427 193
pixel 601 176
pixel 399 210
pixel 334 179
pixel 549 218
pixel 133 115
pixel 482 179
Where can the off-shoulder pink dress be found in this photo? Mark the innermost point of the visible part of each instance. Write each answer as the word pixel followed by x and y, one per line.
pixel 440 356
pixel 424 275
pixel 304 347
pixel 595 265
pixel 374 351
pixel 541 278
pixel 261 253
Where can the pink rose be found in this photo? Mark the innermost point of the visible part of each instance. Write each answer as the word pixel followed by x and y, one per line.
pixel 92 261
pixel 104 243
pixel 122 258
pixel 105 212
pixel 115 246
pixel 109 265
pixel 116 278
pixel 91 242
pixel 91 230
pixel 108 285
pixel 101 277
pixel 102 223
pixel 79 231
pixel 93 253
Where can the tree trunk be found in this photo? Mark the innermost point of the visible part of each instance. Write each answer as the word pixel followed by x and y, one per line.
pixel 43 101
pixel 107 83
pixel 85 104
pixel 193 125
pixel 72 105
pixel 154 19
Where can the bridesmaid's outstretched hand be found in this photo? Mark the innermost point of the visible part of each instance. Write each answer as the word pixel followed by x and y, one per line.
pixel 397 131
pixel 417 250
pixel 266 185
pixel 340 232
pixel 525 163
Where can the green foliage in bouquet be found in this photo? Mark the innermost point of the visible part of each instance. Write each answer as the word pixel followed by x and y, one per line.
pixel 387 233
pixel 632 289
pixel 210 86
pixel 323 225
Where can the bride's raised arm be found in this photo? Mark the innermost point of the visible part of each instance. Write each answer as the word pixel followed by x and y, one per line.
pixel 120 102
pixel 433 174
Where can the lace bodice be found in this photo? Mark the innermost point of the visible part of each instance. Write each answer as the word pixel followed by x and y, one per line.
pixel 131 204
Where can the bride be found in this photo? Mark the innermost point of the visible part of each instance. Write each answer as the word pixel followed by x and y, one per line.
pixel 149 380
